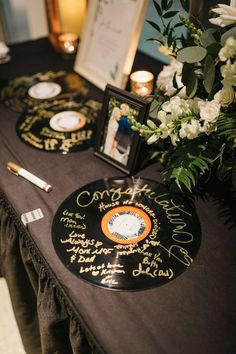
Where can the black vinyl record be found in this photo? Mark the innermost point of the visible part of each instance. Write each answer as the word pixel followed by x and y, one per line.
pixel 126 233
pixel 59 126
pixel 26 91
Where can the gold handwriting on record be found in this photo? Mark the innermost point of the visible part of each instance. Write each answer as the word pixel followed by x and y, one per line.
pixel 153 273
pixel 80 239
pixel 181 254
pixel 33 140
pixel 28 123
pixel 71 223
pixel 103 206
pixel 50 144
pixel 71 214
pixel 109 280
pixel 146 208
pixel 86 198
pixel 145 270
pixel 52 134
pixel 83 259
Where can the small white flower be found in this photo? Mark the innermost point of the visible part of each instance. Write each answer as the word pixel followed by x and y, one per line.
pixel 190 130
pixel 174 102
pixel 229 49
pixel 165 79
pixel 194 104
pixel 174 139
pixel 227 15
pixel 153 138
pixel 228 73
pixel 225 96
pixel 161 115
pixel 209 110
pixel 164 131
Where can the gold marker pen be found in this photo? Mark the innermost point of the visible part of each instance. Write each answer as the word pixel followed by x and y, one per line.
pixel 17 170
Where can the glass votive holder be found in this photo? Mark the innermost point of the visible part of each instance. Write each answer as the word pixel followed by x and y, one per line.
pixel 141 83
pixel 68 42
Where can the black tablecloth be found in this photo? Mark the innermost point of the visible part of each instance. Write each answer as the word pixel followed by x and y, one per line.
pixel 59 313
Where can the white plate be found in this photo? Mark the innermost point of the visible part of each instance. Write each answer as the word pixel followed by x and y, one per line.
pixel 67 121
pixel 43 90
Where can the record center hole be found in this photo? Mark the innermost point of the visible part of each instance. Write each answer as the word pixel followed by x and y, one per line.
pixel 68 121
pixel 126 224
pixel 44 89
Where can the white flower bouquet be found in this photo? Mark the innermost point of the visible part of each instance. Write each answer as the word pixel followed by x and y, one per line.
pixel 192 121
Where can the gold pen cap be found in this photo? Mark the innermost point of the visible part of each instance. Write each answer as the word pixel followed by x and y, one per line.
pixel 13 168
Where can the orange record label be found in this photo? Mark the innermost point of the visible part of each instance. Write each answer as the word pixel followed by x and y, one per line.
pixel 126 224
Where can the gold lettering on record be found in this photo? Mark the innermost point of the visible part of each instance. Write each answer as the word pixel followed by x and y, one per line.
pixel 103 206
pixel 68 213
pixel 186 259
pixel 149 266
pixel 33 140
pixel 52 134
pixel 109 280
pixel 50 144
pixel 28 123
pixel 114 194
pixel 105 271
pixel 146 208
pixel 83 259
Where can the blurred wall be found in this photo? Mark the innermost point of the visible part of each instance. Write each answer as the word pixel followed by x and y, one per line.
pixel 22 20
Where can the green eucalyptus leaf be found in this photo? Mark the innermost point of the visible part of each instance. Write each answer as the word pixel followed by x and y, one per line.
pixel 153 24
pixel 192 54
pixel 214 48
pixel 209 73
pixel 170 14
pixel 207 38
pixel 226 35
pixel 158 8
pixel 187 72
pixel 192 84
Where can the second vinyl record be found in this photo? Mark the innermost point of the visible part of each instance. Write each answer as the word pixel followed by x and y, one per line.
pixel 26 91
pixel 126 233
pixel 59 126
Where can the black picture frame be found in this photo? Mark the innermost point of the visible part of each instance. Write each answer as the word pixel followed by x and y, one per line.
pixel 121 147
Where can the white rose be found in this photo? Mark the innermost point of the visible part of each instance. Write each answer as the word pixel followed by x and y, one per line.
pixel 169 105
pixel 225 96
pixel 209 110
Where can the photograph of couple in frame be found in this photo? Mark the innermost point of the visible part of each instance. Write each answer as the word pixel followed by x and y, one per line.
pixel 116 142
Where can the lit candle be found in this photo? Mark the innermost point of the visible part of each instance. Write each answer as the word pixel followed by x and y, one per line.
pixel 68 42
pixel 141 82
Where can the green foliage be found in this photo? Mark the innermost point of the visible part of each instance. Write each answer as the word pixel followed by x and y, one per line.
pixel 191 54
pixel 187 164
pixel 197 142
pixel 226 126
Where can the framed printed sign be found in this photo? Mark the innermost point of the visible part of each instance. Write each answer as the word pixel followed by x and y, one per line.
pixel 109 41
pixel 116 142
